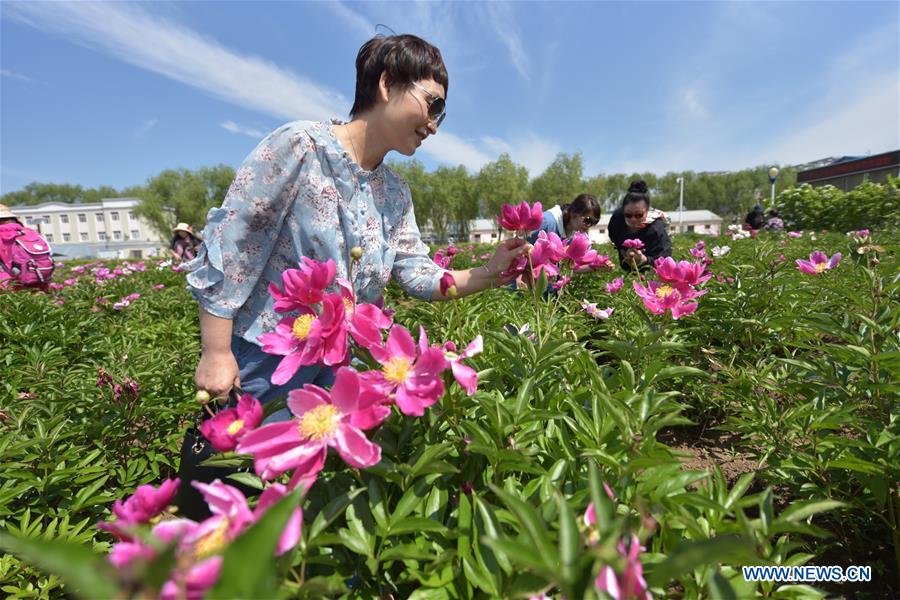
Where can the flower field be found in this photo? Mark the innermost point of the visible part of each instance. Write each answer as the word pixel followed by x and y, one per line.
pixel 629 435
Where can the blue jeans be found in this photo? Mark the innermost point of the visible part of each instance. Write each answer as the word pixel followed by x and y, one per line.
pixel 256 368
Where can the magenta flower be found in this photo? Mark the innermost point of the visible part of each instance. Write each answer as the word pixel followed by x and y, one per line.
pixel 364 321
pixel 547 251
pixel 413 380
pixel 631 583
pixel 684 275
pixel 146 502
pixel 818 263
pixel 579 251
pixel 195 583
pixel 309 339
pixel 448 285
pixel 304 286
pixel 633 244
pixel 615 285
pixel 561 282
pixel 465 376
pixel 795 234
pixel 228 426
pixel 602 261
pixel 324 419
pixel 521 217
pixel 700 245
pixel 591 309
pixel 442 259
pixel 661 297
pixel 862 235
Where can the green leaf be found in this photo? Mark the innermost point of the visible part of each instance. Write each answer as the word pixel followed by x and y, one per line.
pixel 411 524
pixel 802 509
pixel 89 574
pixel 331 511
pixel 719 588
pixel 248 566
pixel 534 527
pixel 689 556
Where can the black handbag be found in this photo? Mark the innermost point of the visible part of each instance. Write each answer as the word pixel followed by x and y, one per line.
pixel 194 450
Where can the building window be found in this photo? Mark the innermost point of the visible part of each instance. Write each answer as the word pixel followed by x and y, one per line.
pixel 82 218
pixel 101 235
pixel 64 219
pixel 117 235
pixel 67 237
pixel 99 217
pixel 135 254
pixel 131 215
pixel 114 215
pixel 47 219
pixel 691 228
pixel 49 237
pixel 83 236
pixel 29 221
pixel 135 234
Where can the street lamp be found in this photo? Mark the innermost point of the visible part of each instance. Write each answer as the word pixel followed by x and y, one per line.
pixel 681 206
pixel 773 175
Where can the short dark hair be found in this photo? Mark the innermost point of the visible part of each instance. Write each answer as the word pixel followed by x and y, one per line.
pixel 404 59
pixel 583 204
pixel 637 192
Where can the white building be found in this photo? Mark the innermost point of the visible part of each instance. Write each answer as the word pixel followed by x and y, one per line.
pixel 106 229
pixel 695 221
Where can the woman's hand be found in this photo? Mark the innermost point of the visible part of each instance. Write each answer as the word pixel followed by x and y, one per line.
pixel 636 255
pixel 217 373
pixel 505 254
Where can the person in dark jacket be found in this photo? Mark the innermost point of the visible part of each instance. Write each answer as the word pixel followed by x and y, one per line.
pixel 755 218
pixel 636 220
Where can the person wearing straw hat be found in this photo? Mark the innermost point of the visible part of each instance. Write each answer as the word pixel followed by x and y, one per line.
pixel 8 216
pixel 184 243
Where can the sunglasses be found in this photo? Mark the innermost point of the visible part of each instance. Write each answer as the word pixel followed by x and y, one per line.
pixel 437 106
pixel 589 221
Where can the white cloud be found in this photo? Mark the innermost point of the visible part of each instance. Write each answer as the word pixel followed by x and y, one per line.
pixel 132 34
pixel 500 17
pixel 451 149
pixel 248 131
pixel 869 121
pixel 351 18
pixel 690 104
pixel 14 75
pixel 145 128
pixel 529 150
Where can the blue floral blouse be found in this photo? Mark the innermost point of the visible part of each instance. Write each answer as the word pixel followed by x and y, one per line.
pixel 300 194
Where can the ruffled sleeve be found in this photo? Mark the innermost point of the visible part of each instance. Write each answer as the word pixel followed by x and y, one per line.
pixel 240 235
pixel 416 273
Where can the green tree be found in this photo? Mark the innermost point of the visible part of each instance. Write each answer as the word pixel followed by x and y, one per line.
pixel 560 182
pixel 501 182
pixel 38 193
pixel 183 196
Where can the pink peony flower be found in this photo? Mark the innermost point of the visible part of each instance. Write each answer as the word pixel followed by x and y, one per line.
pixel 602 261
pixel 561 282
pixel 795 234
pixel 160 286
pixel 579 251
pixel 304 286
pixel 591 309
pixel 818 263
pixel 228 426
pixel 309 339
pixel 684 275
pixel 442 258
pixel 631 584
pixel 336 419
pixel 615 285
pixel 521 217
pixel 195 583
pixel 862 235
pixel 465 376
pixel 633 244
pixel 413 380
pixel 661 297
pixel 146 502
pixel 364 321
pixel 448 285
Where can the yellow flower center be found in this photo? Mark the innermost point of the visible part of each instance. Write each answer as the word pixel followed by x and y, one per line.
pixel 213 542
pixel 664 291
pixel 319 422
pixel 302 325
pixel 397 369
pixel 235 427
pixel 821 267
pixel 348 306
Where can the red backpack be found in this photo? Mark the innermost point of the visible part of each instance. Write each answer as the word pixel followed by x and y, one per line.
pixel 26 256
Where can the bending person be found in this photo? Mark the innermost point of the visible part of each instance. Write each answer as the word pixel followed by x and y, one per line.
pixel 636 220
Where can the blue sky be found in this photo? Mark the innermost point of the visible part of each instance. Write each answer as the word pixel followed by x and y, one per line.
pixel 113 93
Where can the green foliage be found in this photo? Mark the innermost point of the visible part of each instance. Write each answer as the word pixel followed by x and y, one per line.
pixel 484 496
pixel 869 205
